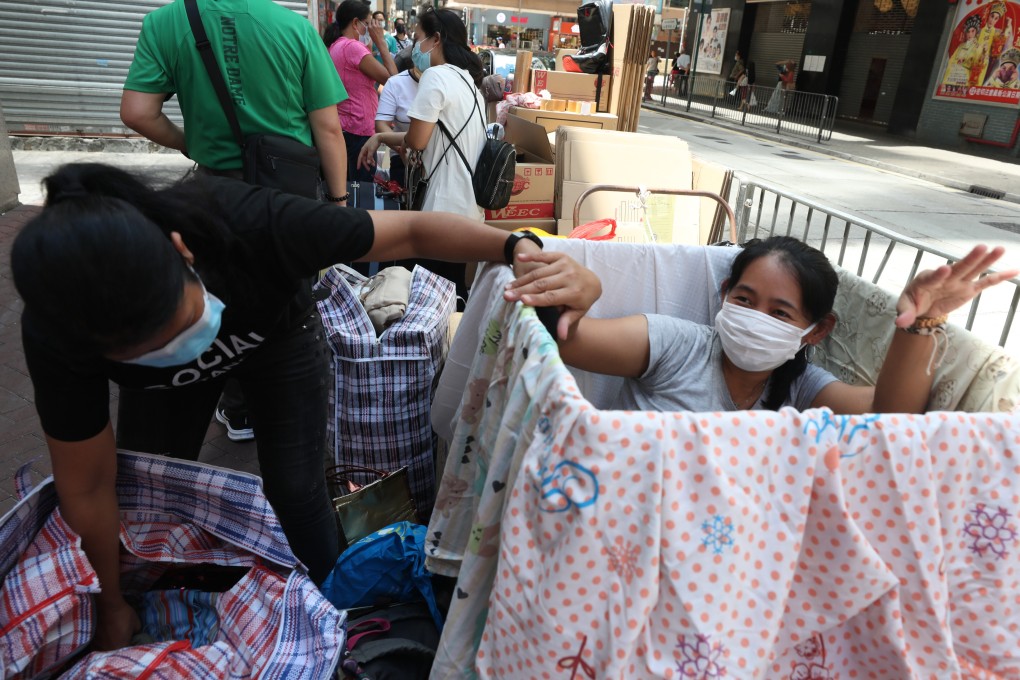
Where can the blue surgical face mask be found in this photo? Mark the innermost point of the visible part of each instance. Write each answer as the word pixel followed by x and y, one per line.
pixel 192 342
pixel 421 60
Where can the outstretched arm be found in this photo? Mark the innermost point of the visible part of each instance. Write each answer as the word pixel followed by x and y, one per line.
pixel 905 379
pixel 610 346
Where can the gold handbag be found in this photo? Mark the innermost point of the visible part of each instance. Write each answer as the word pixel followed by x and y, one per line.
pixel 363 510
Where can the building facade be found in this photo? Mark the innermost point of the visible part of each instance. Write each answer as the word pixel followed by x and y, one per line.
pixel 888 61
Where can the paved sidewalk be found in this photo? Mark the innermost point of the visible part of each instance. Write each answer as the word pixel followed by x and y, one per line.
pixel 872 146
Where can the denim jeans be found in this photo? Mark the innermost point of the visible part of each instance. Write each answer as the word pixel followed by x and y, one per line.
pixel 354 173
pixel 285 384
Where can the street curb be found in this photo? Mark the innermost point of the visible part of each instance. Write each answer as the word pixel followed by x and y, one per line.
pixel 88 144
pixel 822 149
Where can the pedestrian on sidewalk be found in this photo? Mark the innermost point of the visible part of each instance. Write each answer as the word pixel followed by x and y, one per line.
pixel 651 71
pixel 166 293
pixel 280 72
pixel 736 73
pixel 682 63
pixel 785 84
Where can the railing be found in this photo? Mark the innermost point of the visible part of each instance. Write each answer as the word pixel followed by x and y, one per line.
pixel 848 241
pixel 786 111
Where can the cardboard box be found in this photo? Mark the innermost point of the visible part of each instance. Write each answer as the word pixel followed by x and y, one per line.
pixel 535 177
pixel 585 157
pixel 551 120
pixel 577 86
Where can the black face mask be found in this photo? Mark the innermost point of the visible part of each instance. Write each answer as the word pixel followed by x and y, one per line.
pixel 400 28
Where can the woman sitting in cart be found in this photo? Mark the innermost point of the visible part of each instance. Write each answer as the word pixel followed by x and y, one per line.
pixel 777 305
pixel 167 292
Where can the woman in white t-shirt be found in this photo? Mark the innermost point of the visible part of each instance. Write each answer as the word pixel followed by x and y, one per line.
pixel 394 103
pixel 448 97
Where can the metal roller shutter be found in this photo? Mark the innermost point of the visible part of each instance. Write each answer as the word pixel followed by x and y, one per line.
pixel 778 35
pixel 63 63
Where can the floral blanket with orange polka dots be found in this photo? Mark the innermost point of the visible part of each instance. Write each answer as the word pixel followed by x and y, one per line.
pixel 600 544
pixel 759 545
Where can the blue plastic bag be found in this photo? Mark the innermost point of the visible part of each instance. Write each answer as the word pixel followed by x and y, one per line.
pixel 387 566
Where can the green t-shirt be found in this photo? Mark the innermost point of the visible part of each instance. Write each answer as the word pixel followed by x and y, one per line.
pixel 275 65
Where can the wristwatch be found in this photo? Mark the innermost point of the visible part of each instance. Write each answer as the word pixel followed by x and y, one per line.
pixel 511 243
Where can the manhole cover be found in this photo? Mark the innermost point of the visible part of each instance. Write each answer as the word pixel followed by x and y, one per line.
pixel 794 156
pixel 1008 226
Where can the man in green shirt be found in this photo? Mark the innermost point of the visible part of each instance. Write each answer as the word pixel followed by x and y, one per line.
pixel 281 80
pixel 279 74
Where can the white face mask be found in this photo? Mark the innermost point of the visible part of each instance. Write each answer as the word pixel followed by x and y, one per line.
pixel 365 38
pixel 755 341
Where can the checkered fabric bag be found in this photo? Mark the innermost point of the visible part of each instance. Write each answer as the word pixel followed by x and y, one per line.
pixel 384 384
pixel 273 623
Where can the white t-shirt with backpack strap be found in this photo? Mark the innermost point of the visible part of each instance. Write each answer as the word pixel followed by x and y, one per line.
pixel 447 93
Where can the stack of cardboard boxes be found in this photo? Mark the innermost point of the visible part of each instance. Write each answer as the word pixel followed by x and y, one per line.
pixel 592 120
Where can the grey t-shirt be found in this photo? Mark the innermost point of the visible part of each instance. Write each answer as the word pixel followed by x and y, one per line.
pixel 685 373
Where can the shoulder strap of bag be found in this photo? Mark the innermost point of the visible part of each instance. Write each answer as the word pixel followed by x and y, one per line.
pixel 212 68
pixel 453 141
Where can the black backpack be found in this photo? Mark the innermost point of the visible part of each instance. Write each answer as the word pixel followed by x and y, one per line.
pixel 493 176
pixel 404 651
pixel 594 23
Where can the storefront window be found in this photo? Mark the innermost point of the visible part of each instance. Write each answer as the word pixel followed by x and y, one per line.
pixel 783 17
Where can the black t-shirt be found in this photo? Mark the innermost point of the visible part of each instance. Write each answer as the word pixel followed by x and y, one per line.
pixel 282 241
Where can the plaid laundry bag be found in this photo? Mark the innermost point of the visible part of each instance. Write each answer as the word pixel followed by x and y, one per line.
pixel 272 622
pixel 383 387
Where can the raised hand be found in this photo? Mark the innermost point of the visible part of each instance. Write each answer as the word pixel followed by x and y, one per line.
pixel 936 292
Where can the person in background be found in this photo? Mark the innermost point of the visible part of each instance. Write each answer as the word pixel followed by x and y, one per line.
pixel 683 65
pixel 348 38
pixel 785 84
pixel 447 93
pixel 500 44
pixel 394 103
pixel 651 70
pixel 167 292
pixel 736 74
pixel 289 88
pixel 401 36
pixel 391 42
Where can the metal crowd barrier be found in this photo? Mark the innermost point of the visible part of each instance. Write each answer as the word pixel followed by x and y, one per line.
pixel 848 241
pixel 785 111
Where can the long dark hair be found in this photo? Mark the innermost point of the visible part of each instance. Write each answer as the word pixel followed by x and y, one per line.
pixel 97 262
pixel 453 34
pixel 348 11
pixel 818 284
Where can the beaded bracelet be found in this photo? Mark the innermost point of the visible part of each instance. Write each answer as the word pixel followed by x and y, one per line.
pixel 934 327
pixel 930 321
pixel 338 199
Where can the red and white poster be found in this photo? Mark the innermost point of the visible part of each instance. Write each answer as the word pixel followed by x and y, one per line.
pixel 983 54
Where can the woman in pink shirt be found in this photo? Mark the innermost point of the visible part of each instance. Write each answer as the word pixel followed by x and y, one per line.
pixel 349 40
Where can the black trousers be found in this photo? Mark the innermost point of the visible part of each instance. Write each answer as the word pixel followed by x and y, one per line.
pixel 285 384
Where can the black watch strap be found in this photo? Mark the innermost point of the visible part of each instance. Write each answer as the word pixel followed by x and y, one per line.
pixel 511 243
